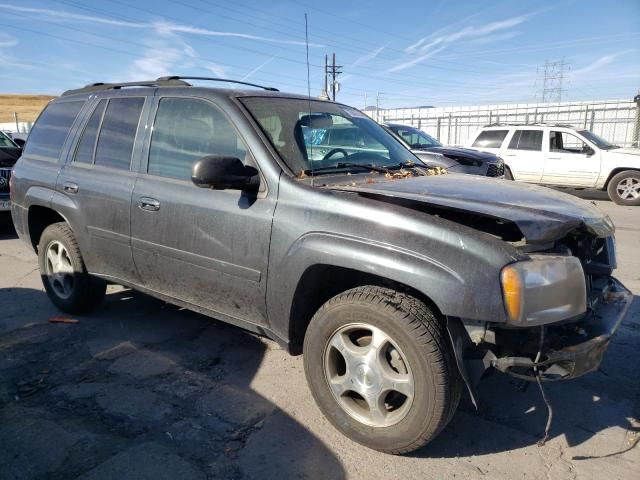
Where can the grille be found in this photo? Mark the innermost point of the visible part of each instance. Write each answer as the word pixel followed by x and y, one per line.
pixel 495 170
pixel 5 175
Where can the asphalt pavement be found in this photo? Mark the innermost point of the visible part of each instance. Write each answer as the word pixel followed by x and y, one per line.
pixel 142 389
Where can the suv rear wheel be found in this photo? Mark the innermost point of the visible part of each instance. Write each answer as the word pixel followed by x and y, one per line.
pixel 380 367
pixel 624 188
pixel 63 273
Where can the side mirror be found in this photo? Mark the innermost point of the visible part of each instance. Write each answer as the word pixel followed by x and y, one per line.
pixel 221 172
pixel 20 142
pixel 587 150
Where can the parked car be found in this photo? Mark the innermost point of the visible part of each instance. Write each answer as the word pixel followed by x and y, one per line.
pixel 19 138
pixel 9 154
pixel 455 159
pixel 566 156
pixel 400 288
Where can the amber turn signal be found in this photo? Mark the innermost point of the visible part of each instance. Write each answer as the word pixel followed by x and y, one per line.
pixel 512 290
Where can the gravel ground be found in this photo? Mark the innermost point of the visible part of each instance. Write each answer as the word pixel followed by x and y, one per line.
pixel 142 389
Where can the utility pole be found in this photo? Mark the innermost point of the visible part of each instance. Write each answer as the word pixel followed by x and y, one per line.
pixel 334 71
pixel 378 107
pixel 554 73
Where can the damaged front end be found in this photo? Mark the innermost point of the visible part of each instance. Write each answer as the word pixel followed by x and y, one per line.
pixel 562 308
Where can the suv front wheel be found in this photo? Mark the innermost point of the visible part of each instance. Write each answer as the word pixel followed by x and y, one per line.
pixel 624 188
pixel 64 276
pixel 381 369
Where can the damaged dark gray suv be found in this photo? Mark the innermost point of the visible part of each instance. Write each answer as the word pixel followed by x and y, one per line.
pixel 400 287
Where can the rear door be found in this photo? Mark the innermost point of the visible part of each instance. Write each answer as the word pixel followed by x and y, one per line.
pixel 207 247
pixel 98 180
pixel 570 160
pixel 524 156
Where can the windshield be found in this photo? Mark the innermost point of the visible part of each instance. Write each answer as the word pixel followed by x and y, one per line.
pixel 599 141
pixel 5 141
pixel 414 137
pixel 316 135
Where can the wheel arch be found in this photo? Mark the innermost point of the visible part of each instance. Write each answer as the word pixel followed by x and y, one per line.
pixel 321 282
pixel 616 171
pixel 39 217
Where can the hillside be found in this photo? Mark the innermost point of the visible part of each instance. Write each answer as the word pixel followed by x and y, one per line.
pixel 27 106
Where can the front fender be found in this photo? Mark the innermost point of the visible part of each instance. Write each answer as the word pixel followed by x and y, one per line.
pixel 474 293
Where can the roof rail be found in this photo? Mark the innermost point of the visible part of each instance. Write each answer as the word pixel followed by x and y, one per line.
pixel 212 79
pixel 97 87
pixel 537 124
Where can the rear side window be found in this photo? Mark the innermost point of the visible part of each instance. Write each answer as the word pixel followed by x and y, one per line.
pixel 490 139
pixel 118 132
pixel 50 131
pixel 526 140
pixel 86 147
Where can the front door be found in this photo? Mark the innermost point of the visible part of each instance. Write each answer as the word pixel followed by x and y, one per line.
pixel 524 155
pixel 570 161
pixel 99 181
pixel 206 247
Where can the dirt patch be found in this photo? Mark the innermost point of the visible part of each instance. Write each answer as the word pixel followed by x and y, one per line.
pixel 28 107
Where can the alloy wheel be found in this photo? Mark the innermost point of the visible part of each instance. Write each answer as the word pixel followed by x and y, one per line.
pixel 368 375
pixel 59 269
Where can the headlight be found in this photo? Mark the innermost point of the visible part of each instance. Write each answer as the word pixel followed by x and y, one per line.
pixel 544 289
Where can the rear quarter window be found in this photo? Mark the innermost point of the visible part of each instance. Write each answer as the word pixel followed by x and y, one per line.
pixel 490 139
pixel 48 135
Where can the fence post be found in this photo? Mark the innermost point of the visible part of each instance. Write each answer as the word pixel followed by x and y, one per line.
pixel 635 140
pixel 586 116
pixel 449 131
pixel 438 128
pixel 593 120
pixel 15 117
pixel 490 117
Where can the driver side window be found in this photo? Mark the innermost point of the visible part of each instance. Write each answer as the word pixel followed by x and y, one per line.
pixel 563 142
pixel 187 129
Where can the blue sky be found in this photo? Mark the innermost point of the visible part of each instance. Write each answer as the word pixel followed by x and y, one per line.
pixel 414 52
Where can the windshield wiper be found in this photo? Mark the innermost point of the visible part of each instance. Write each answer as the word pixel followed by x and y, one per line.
pixel 346 165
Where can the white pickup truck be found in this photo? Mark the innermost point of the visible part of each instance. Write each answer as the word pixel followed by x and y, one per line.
pixel 563 155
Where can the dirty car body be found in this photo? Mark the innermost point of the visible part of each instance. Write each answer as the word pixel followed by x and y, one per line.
pixel 520 277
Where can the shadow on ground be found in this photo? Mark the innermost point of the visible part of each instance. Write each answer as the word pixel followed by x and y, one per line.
pixel 142 389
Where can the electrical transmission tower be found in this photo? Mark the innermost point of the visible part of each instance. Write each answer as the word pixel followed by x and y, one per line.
pixel 554 73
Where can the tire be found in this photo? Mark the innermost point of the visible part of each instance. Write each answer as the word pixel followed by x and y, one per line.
pixel 624 186
pixel 73 290
pixel 507 173
pixel 415 336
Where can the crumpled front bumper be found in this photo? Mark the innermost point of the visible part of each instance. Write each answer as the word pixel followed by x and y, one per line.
pixel 578 350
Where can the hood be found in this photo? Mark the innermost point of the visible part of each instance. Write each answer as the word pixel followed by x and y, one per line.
pixel 433 159
pixel 541 214
pixel 625 151
pixel 461 154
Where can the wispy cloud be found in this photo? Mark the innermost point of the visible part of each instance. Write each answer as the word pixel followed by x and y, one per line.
pixel 415 60
pixel 259 67
pixel 368 56
pixel 596 64
pixel 7 40
pixel 162 27
pixel 428 46
pixel 499 37
pixel 66 16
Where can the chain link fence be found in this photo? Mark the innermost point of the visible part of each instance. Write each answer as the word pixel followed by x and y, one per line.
pixel 617 121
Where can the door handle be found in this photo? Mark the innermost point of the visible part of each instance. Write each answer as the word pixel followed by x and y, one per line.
pixel 510 155
pixel 148 203
pixel 554 158
pixel 70 187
